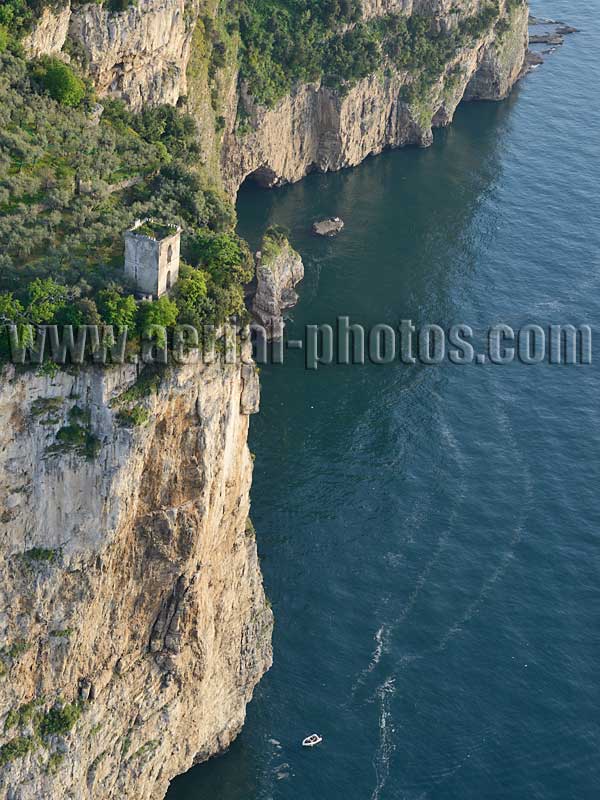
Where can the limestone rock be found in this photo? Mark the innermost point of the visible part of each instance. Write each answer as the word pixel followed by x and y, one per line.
pixel 278 271
pixel 317 128
pixel 547 38
pixel 501 60
pixel 140 54
pixel 49 33
pixel 130 581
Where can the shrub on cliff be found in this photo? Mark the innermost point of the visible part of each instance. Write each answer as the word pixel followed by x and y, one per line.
pixel 351 56
pixel 15 16
pixel 46 299
pixel 211 291
pixel 59 80
pixel 163 312
pixel 287 42
pixel 15 748
pixel 117 309
pixel 224 255
pixel 62 216
pixel 11 310
pixel 191 294
pixel 274 239
pixel 304 40
pixel 60 720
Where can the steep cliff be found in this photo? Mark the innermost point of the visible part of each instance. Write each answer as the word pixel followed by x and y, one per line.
pixel 501 61
pixel 134 625
pixel 49 34
pixel 162 51
pixel 140 54
pixel 320 128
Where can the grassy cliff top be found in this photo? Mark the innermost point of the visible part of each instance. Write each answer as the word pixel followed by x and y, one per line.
pixel 72 183
pixel 294 41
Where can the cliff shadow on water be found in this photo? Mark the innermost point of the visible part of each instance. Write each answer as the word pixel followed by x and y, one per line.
pixel 408 216
pixel 407 251
pixel 406 514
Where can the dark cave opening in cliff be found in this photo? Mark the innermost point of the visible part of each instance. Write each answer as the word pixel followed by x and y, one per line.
pixel 263 176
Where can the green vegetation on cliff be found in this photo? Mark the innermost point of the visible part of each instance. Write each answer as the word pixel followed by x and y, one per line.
pixel 40 726
pixel 274 241
pixel 294 41
pixel 17 17
pixel 74 177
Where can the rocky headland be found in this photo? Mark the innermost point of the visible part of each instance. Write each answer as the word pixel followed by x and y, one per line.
pixel 134 621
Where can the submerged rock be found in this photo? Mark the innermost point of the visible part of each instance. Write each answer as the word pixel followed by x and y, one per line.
pixel 543 21
pixel 554 37
pixel 533 60
pixel 328 227
pixel 546 38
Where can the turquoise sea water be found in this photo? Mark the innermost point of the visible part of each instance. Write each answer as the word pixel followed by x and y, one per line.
pixel 429 536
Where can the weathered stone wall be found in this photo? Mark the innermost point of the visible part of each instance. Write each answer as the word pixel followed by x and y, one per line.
pixel 152 265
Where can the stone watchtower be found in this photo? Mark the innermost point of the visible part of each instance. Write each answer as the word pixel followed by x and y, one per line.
pixel 152 257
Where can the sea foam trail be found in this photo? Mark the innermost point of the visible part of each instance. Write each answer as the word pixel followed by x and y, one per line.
pixel 386 746
pixel 386 631
pixel 385 691
pixel 517 535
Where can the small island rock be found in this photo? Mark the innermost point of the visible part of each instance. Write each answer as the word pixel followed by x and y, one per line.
pixel 328 227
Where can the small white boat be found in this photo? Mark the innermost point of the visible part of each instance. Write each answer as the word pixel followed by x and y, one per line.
pixel 312 740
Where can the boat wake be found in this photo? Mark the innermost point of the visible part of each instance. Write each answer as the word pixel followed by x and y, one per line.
pixel 386 746
pixel 517 535
pixel 387 630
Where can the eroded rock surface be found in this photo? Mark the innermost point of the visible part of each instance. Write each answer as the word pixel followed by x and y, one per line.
pixel 143 54
pixel 319 128
pixel 278 272
pixel 131 592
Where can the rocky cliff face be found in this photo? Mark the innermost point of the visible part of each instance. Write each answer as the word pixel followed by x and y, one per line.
pixel 145 53
pixel 133 622
pixel 318 128
pixel 50 33
pixel 140 54
pixel 500 63
pixel 278 270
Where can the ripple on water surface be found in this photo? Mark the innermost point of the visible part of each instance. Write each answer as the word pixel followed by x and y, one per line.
pixel 429 536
